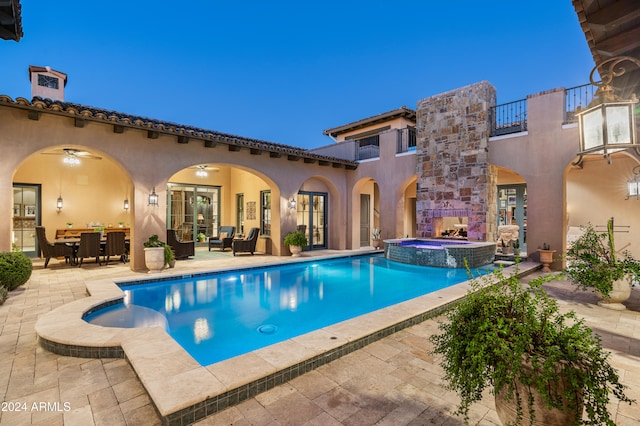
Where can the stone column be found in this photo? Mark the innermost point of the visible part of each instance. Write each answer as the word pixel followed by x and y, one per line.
pixel 455 178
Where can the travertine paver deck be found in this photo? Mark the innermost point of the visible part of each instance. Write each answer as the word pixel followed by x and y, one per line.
pixel 393 381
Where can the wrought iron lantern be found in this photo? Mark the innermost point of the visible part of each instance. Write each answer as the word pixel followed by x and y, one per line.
pixel 607 125
pixel 153 197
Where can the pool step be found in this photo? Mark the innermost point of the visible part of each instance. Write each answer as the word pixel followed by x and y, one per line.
pixel 504 263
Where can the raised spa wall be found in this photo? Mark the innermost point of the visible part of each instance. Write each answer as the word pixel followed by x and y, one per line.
pixel 452 255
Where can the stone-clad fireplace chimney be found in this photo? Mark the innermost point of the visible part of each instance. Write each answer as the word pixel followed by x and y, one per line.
pixel 455 178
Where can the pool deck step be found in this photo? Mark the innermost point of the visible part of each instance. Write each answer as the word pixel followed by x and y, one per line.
pixel 504 263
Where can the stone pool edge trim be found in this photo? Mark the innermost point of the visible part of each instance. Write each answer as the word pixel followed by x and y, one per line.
pixel 182 390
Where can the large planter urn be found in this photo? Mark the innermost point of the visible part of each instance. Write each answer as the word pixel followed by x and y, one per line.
pixel 620 292
pixel 295 250
pixel 154 259
pixel 376 243
pixel 542 415
pixel 546 258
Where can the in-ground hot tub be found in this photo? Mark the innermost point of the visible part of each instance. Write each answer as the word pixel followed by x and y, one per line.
pixel 440 253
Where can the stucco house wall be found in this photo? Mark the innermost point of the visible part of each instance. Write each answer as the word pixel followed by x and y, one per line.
pixel 150 163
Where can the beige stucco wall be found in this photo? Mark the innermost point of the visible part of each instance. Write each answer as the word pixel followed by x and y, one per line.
pixel 597 192
pixel 560 195
pixel 393 173
pixel 152 163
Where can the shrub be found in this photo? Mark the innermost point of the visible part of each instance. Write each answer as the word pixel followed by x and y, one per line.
pixel 168 254
pixel 153 241
pixel 296 238
pixel 15 269
pixel 504 333
pixel 4 293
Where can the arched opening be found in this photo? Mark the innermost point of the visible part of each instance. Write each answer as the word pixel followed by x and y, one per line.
pixel 512 206
pixel 205 197
pixel 406 210
pixel 67 189
pixel 317 203
pixel 366 214
pixel 598 191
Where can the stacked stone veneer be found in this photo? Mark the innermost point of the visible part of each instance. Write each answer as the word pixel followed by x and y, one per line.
pixel 454 176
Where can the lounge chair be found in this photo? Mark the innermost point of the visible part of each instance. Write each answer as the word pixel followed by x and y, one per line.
pixel 248 245
pixel 224 239
pixel 182 249
pixel 50 250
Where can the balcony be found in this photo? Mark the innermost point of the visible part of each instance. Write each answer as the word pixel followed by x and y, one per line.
pixel 368 148
pixel 575 98
pixel 406 140
pixel 509 118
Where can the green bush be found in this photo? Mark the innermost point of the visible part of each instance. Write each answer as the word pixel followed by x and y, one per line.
pixel 15 269
pixel 3 294
pixel 296 238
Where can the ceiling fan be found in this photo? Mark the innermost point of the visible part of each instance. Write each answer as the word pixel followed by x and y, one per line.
pixel 204 169
pixel 72 156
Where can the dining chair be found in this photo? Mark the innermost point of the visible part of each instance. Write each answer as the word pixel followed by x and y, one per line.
pixel 50 249
pixel 89 247
pixel 115 246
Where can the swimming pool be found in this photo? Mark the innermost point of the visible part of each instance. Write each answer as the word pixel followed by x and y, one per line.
pixel 218 316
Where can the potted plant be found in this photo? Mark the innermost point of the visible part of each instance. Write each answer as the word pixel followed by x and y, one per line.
pixel 99 229
pixel 376 233
pixel 516 247
pixel 506 247
pixel 69 225
pixel 593 264
pixel 546 257
pixel 544 366
pixel 154 254
pixel 169 256
pixel 120 224
pixel 296 240
pixel 201 237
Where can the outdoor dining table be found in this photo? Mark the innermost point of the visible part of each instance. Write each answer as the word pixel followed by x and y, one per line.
pixel 75 242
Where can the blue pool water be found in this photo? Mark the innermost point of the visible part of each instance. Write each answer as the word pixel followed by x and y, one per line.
pixel 221 315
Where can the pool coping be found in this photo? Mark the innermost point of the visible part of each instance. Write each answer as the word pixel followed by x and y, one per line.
pixel 182 390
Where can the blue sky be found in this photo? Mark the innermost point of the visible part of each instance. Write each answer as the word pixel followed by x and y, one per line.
pixel 284 71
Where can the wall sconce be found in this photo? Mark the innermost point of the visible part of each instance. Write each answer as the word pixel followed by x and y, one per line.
pixel 126 204
pixel 292 203
pixel 59 203
pixel 633 185
pixel 153 197
pixel 607 125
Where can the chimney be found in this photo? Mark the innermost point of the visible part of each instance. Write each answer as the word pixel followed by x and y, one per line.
pixel 47 82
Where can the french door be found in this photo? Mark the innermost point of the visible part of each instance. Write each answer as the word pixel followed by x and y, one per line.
pixel 26 215
pixel 193 210
pixel 312 218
